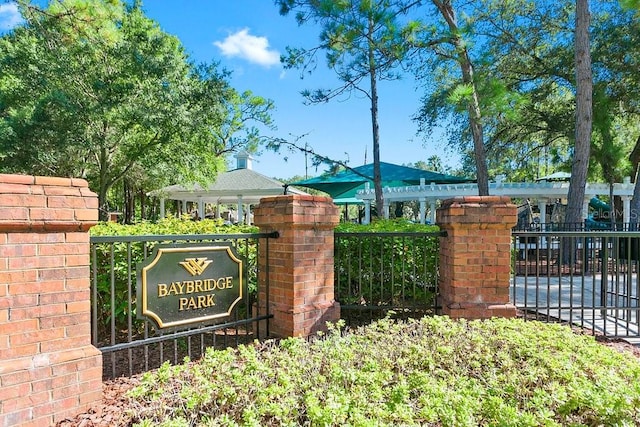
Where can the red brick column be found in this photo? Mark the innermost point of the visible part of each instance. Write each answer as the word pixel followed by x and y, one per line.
pixel 48 368
pixel 475 260
pixel 300 263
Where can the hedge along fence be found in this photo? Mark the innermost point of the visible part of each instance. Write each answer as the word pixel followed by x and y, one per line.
pixel 387 265
pixel 374 270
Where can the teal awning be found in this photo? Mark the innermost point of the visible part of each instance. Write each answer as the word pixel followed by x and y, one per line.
pixel 346 183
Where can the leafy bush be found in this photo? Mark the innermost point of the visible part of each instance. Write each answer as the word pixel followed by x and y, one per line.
pixel 434 371
pixel 170 225
pixel 387 271
pixel 121 258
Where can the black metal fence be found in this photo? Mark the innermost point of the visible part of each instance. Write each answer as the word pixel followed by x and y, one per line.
pixel 584 278
pixel 131 345
pixel 379 272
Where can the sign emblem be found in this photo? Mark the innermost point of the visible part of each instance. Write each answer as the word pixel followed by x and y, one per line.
pixel 195 266
pixel 185 284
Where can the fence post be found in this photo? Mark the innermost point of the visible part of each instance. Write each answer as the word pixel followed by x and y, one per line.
pixel 299 263
pixel 48 368
pixel 475 256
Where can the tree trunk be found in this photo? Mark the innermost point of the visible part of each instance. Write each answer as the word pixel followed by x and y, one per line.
pixel 475 116
pixel 635 200
pixel 584 116
pixel 143 205
pixel 377 175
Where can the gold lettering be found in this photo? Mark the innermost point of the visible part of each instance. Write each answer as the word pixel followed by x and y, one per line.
pixel 162 290
pixel 201 300
pixel 224 283
pixel 172 289
pixel 189 287
pixel 176 288
pixel 198 286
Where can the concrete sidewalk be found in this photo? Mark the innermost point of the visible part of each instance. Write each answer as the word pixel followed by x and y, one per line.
pixel 579 300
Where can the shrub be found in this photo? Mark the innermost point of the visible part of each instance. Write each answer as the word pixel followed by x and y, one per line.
pixel 434 371
pixel 376 269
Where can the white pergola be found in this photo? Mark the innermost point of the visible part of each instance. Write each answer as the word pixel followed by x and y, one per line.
pixel 541 192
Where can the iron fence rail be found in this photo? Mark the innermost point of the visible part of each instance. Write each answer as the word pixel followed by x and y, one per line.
pixel 584 278
pixel 381 272
pixel 131 345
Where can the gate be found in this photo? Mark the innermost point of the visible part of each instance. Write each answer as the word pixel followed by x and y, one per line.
pixel 381 272
pixel 131 345
pixel 584 278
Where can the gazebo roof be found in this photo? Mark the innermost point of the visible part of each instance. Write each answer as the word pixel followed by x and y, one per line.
pixel 228 187
pixel 346 183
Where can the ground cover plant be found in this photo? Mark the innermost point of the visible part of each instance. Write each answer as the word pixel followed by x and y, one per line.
pixel 434 371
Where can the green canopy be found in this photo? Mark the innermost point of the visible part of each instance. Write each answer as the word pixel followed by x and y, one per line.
pixel 346 183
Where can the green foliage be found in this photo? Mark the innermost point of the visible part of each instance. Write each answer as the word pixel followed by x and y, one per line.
pixel 364 42
pixel 524 62
pixel 376 269
pixel 97 90
pixel 385 225
pixel 120 259
pixel 630 4
pixel 429 372
pixel 170 225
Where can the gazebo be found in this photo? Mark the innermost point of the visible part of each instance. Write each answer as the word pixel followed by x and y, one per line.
pixel 345 186
pixel 242 187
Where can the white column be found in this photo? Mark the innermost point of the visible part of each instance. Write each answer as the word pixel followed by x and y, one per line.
pixel 367 212
pixel 200 208
pixel 162 213
pixel 423 209
pixel 385 209
pixel 249 215
pixel 626 210
pixel 218 209
pixel 542 207
pixel 184 207
pixel 432 206
pixel 240 213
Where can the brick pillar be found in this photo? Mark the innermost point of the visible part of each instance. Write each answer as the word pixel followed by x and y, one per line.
pixel 475 257
pixel 48 368
pixel 300 263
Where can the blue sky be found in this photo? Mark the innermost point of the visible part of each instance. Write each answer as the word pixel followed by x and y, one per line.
pixel 247 38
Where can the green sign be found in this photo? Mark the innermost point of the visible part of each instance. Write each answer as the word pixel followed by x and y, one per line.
pixel 180 285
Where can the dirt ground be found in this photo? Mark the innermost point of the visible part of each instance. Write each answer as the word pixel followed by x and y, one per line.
pixel 112 410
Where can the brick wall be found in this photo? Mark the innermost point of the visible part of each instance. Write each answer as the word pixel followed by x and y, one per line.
pixel 48 368
pixel 475 260
pixel 300 264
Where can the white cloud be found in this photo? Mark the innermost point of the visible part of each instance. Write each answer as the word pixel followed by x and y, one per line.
pixel 9 16
pixel 254 49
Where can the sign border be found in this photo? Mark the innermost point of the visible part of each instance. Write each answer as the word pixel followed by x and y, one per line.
pixel 158 251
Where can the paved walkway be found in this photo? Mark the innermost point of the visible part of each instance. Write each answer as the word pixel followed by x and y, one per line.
pixel 609 306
